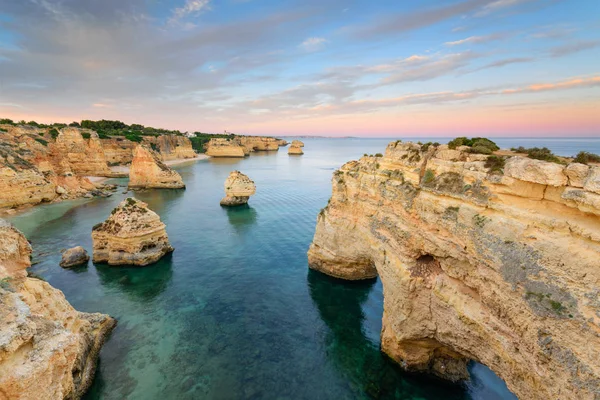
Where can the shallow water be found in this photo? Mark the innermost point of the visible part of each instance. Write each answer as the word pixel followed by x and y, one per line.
pixel 234 312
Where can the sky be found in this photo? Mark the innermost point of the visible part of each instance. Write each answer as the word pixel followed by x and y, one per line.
pixel 372 68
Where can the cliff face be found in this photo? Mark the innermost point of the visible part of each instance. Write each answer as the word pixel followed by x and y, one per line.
pixel 224 148
pixel 148 171
pixel 259 143
pixel 295 149
pixel 118 150
pixel 171 147
pixel 48 350
pixel 479 261
pixel 84 156
pixel 132 235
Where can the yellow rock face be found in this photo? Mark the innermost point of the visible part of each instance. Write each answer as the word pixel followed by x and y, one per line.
pixel 297 143
pixel 295 150
pixel 224 148
pixel 259 143
pixel 48 350
pixel 148 171
pixel 504 270
pixel 238 189
pixel 171 147
pixel 118 151
pixel 132 235
pixel 85 156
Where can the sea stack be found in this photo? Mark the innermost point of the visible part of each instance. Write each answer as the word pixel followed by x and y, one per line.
pixel 132 235
pixel 297 143
pixel 481 258
pixel 225 148
pixel 74 257
pixel 295 149
pixel 238 189
pixel 149 172
pixel 48 350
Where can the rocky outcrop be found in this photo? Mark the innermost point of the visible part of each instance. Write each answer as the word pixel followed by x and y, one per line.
pixel 295 150
pixel 238 189
pixel 48 350
pixel 259 143
pixel 132 235
pixel 149 172
pixel 171 147
pixel 118 150
pixel 297 143
pixel 73 257
pixel 85 156
pixel 478 261
pixel 224 148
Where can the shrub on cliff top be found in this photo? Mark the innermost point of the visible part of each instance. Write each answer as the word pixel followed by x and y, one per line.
pixel 53 133
pixel 478 145
pixel 495 164
pixel 537 153
pixel 584 157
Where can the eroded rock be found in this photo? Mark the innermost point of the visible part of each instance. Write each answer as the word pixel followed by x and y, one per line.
pixel 74 257
pixel 132 235
pixel 238 189
pixel 149 172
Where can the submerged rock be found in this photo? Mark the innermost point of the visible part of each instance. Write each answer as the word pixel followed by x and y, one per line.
pixel 132 235
pixel 74 257
pixel 48 350
pixel 149 172
pixel 238 189
pixel 497 266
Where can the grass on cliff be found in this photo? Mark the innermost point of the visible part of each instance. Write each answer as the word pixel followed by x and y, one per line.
pixel 495 164
pixel 584 157
pixel 538 153
pixel 200 139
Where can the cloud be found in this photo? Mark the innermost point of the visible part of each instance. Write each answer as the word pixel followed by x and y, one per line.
pixel 475 40
pixel 504 62
pixel 313 44
pixel 573 47
pixel 575 83
pixel 190 7
pixel 498 5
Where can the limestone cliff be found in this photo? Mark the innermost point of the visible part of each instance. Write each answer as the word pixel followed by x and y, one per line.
pixel 297 143
pixel 118 150
pixel 238 189
pixel 480 259
pixel 225 148
pixel 48 350
pixel 259 143
pixel 132 235
pixel 171 147
pixel 148 171
pixel 84 155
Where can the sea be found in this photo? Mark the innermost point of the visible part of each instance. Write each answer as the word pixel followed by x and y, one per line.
pixel 235 312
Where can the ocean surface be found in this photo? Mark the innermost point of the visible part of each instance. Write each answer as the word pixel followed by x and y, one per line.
pixel 234 312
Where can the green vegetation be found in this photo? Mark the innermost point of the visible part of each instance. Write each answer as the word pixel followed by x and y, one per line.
pixel 480 220
pixel 200 139
pixel 478 145
pixel 495 164
pixel 426 146
pixel 6 121
pixel 378 155
pixel 584 157
pixel 86 135
pixel 41 141
pixel 54 133
pixel 5 283
pixel 428 177
pixel 537 153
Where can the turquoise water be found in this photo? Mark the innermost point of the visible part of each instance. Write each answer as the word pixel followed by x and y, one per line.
pixel 234 312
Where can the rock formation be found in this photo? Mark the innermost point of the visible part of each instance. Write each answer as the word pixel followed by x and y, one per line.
pixel 479 261
pixel 132 235
pixel 85 156
pixel 259 143
pixel 238 189
pixel 148 171
pixel 74 257
pixel 118 150
pixel 171 147
pixel 48 350
pixel 295 150
pixel 224 148
pixel 297 143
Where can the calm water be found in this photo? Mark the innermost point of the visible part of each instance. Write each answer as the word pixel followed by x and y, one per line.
pixel 234 312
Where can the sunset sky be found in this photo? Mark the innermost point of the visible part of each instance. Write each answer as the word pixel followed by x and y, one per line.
pixel 361 68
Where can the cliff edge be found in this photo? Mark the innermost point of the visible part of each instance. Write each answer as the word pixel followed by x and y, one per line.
pixel 481 258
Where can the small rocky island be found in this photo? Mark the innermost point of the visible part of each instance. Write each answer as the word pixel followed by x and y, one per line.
pixel 149 172
pixel 74 257
pixel 296 148
pixel 297 143
pixel 132 235
pixel 238 189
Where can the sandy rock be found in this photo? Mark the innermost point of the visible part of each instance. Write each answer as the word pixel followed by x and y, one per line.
pixel 502 270
pixel 536 171
pixel 60 190
pixel 224 148
pixel 84 156
pixel 297 143
pixel 171 147
pixel 132 235
pixel 73 257
pixel 592 183
pixel 295 150
pixel 238 189
pixel 48 350
pixel 577 173
pixel 259 143
pixel 149 172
